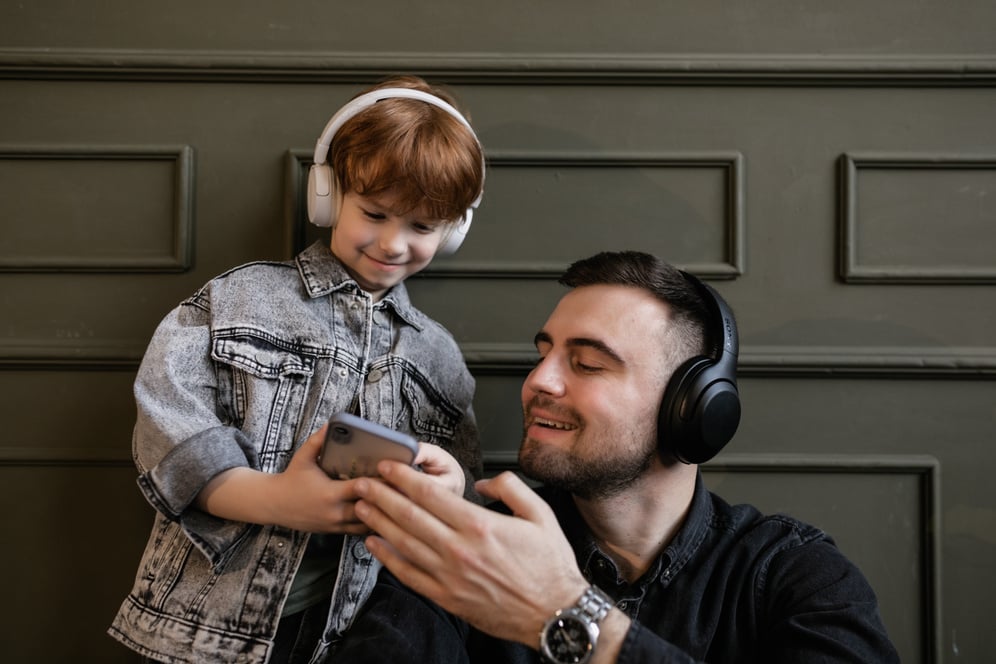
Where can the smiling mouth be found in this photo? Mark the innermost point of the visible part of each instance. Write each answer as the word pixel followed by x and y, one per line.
pixel 552 424
pixel 385 265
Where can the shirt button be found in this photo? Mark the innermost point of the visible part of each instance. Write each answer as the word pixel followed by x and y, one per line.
pixel 375 376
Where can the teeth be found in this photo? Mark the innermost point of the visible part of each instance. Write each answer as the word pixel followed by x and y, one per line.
pixel 552 424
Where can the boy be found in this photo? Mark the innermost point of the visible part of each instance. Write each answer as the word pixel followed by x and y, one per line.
pixel 254 554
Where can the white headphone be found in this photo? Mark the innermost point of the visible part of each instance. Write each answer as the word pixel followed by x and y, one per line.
pixel 323 197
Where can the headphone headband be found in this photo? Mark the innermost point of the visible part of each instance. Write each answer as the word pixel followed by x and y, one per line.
pixel 365 101
pixel 700 409
pixel 728 348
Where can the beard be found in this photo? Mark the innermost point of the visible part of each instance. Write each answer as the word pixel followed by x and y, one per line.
pixel 600 464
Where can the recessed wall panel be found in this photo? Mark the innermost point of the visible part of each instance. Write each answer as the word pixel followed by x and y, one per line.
pixel 66 414
pixel 919 218
pixel 96 209
pixel 75 537
pixel 881 514
pixel 544 211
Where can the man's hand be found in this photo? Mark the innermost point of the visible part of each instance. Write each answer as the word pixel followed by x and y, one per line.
pixel 506 575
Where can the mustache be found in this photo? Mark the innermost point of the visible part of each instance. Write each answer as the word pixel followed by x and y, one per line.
pixel 549 406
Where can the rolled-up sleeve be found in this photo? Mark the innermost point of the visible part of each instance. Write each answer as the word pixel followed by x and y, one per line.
pixel 183 434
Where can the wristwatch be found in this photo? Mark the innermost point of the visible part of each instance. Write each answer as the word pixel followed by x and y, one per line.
pixel 570 636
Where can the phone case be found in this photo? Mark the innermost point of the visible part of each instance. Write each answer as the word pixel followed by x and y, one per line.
pixel 353 446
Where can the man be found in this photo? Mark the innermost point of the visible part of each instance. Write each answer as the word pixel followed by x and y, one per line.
pixel 623 555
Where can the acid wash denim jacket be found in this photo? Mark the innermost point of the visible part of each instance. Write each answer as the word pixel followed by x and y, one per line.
pixel 238 376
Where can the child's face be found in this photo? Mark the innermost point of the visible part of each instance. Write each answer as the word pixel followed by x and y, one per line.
pixel 380 248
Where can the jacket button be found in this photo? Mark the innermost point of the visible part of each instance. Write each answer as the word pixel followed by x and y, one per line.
pixel 375 375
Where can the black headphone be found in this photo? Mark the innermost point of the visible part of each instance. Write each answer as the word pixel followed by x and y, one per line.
pixel 700 410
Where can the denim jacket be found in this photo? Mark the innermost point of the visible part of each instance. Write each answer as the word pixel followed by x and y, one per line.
pixel 238 376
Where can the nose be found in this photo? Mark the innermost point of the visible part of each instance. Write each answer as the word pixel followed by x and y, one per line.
pixel 392 239
pixel 545 378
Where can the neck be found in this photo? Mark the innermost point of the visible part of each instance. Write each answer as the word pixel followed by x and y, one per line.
pixel 634 526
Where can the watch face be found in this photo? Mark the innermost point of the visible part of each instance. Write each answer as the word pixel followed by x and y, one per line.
pixel 567 641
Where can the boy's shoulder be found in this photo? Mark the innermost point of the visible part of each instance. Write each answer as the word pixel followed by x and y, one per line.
pixel 248 270
pixel 251 277
pixel 313 263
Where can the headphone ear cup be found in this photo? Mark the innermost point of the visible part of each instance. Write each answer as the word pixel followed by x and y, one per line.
pixel 699 413
pixel 323 199
pixel 455 235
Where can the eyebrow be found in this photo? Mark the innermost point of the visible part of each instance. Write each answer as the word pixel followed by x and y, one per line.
pixel 581 342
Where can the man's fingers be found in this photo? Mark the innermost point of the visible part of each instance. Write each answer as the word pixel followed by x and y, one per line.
pixel 422 490
pixel 517 495
pixel 407 572
pixel 411 531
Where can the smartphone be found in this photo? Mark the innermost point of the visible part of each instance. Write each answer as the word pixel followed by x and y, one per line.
pixel 353 446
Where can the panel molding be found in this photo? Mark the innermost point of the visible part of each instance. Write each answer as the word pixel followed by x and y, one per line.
pixel 791 361
pixel 79 355
pixel 66 457
pixel 925 469
pixel 851 270
pixel 298 162
pixel 517 359
pixel 181 255
pixel 523 68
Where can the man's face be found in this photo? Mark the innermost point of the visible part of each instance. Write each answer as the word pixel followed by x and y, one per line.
pixel 590 404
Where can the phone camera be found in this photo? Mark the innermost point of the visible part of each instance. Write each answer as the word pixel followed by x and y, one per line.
pixel 340 434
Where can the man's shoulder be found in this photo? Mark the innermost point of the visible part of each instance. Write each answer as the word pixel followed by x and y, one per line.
pixel 746 519
pixel 774 540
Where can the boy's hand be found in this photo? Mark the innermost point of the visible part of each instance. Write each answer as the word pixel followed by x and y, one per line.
pixel 440 465
pixel 315 502
pixel 302 497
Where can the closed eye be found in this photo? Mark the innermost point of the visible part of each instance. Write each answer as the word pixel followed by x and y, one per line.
pixel 587 368
pixel 425 228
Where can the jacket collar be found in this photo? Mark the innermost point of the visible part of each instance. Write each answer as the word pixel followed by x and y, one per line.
pixel 322 274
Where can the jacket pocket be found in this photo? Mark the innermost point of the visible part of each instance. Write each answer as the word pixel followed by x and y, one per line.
pixel 433 418
pixel 263 381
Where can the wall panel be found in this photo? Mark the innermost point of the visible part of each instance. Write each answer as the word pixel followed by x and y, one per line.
pixel 136 201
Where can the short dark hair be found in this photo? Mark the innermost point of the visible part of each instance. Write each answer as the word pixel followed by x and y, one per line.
pixel 690 315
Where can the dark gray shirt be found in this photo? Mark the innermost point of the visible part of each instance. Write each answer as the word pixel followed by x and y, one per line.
pixel 733 587
pixel 738 586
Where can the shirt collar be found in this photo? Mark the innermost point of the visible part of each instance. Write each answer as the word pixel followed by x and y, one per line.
pixel 599 568
pixel 322 274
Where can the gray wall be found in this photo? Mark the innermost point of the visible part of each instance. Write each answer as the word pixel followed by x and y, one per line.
pixel 830 167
